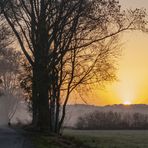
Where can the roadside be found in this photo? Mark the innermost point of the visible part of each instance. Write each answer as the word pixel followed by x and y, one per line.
pixel 41 141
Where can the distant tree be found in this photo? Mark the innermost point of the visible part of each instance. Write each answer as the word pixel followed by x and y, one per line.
pixel 5 34
pixel 9 70
pixel 112 120
pixel 9 67
pixel 9 73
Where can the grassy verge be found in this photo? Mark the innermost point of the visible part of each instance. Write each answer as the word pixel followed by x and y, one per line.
pixel 41 141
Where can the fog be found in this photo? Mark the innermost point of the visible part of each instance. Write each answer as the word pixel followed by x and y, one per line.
pixel 8 105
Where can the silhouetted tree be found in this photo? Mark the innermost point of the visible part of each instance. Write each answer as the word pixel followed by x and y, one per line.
pixel 52 33
pixel 90 60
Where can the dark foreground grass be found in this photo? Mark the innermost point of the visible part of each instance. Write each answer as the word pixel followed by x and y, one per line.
pixel 112 138
pixel 94 139
pixel 57 142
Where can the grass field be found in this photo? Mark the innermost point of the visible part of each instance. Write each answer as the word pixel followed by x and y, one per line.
pixel 95 139
pixel 112 138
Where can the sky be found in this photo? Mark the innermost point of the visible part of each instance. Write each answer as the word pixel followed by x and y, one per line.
pixel 132 73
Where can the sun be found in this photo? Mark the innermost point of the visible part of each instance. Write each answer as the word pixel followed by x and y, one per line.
pixel 127 103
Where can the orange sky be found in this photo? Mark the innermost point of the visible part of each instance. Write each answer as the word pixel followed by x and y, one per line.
pixel 132 73
pixel 132 69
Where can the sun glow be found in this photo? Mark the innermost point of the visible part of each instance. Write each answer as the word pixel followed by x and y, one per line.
pixel 132 73
pixel 127 103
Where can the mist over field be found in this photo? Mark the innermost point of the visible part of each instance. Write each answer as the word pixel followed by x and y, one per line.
pixel 76 111
pixel 73 112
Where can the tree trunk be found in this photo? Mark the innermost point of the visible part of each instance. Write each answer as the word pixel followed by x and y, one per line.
pixel 57 130
pixel 54 103
pixel 52 115
pixel 34 100
pixel 40 98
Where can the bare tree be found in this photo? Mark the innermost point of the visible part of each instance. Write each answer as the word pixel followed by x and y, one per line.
pixel 9 70
pixel 90 54
pixel 56 36
pixel 5 34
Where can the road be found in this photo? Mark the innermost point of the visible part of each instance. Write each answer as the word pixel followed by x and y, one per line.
pixel 10 138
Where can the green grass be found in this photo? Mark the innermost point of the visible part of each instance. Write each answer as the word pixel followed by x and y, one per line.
pixel 112 138
pixel 95 139
pixel 57 142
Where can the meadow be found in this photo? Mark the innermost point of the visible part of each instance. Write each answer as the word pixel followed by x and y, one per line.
pixel 111 138
pixel 94 139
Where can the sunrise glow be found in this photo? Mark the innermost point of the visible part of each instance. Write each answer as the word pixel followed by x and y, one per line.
pixel 127 103
pixel 132 70
pixel 132 74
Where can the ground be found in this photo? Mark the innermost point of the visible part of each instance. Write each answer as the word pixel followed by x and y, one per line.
pixel 96 139
pixel 12 138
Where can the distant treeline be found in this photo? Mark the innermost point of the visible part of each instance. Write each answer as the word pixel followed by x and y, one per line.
pixel 112 120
